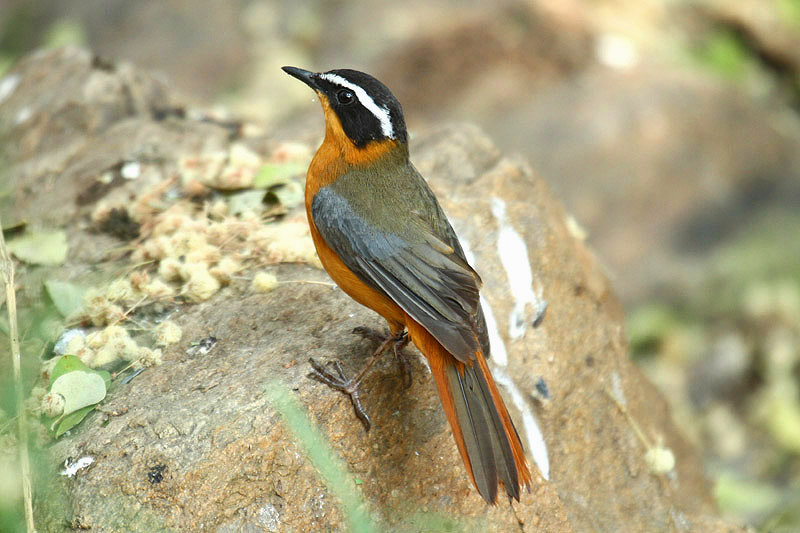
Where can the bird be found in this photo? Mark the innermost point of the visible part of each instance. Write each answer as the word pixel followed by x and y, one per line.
pixel 384 239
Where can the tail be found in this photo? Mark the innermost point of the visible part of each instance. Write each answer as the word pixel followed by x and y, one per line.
pixel 485 435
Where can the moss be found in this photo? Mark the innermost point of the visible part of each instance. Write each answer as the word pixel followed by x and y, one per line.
pixel 6 60
pixel 18 34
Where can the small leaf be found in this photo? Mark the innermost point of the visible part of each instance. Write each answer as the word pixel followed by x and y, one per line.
pixel 40 248
pixel 250 200
pixel 67 363
pixel 79 389
pixel 71 420
pixel 67 297
pixel 271 174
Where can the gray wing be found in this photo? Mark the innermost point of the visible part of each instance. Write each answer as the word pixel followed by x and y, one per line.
pixel 424 273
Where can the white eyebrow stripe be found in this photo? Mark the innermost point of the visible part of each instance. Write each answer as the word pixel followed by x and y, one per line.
pixel 381 113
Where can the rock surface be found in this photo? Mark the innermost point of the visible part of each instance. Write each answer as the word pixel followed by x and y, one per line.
pixel 238 439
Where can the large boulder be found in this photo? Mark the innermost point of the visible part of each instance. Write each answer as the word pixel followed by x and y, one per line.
pixel 236 437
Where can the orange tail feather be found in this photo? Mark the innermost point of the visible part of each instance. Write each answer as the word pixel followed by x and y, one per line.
pixel 485 435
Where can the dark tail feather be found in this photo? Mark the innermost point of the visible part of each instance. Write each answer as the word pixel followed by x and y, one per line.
pixel 485 435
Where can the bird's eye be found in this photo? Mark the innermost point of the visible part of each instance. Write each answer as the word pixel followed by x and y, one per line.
pixel 345 97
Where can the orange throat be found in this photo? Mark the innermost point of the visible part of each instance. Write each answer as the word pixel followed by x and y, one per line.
pixel 337 154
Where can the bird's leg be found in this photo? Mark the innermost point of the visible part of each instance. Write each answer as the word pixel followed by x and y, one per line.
pixel 349 386
pixel 401 340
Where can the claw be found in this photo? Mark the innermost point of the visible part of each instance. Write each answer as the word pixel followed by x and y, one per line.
pixel 349 386
pixel 341 383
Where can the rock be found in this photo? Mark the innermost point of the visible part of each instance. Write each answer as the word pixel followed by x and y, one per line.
pixel 235 437
pixel 71 124
pixel 487 61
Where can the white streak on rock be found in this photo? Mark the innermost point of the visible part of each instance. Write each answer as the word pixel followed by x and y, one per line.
pixel 616 51
pixel 23 115
pixel 536 444
pixel 425 362
pixel 131 170
pixel 499 354
pixel 498 360
pixel 616 389
pixel 513 255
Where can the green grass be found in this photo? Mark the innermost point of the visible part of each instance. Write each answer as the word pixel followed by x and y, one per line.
pixel 330 466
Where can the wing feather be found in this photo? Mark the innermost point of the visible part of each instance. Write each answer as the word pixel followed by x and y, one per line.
pixel 427 277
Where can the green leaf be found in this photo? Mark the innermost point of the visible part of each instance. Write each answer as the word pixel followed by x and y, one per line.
pixel 277 174
pixel 67 363
pixel 71 420
pixel 6 60
pixel 79 389
pixel 648 325
pixel 40 247
pixel 789 10
pixel 726 54
pixel 106 375
pixel 67 297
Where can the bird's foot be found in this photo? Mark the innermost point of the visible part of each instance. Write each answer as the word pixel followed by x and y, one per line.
pixel 337 380
pixel 398 342
pixel 333 375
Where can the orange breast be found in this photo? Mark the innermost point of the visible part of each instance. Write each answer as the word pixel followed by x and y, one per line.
pixel 334 158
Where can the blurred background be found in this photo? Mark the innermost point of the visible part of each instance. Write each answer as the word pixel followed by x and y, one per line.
pixel 669 128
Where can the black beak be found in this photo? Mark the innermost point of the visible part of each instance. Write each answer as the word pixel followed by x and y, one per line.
pixel 302 75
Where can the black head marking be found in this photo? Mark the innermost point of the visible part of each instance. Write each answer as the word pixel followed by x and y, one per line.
pixel 366 108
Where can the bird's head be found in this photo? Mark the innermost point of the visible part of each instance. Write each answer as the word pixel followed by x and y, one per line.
pixel 358 108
